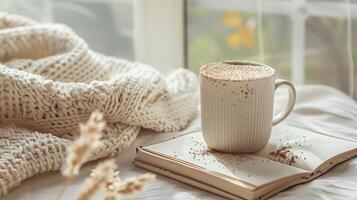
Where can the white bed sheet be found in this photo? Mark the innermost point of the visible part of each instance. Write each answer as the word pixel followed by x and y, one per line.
pixel 318 108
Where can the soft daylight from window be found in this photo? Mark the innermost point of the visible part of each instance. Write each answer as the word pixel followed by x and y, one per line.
pixel 107 26
pixel 304 47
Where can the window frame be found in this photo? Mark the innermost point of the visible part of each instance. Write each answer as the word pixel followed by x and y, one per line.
pixel 297 10
pixel 166 50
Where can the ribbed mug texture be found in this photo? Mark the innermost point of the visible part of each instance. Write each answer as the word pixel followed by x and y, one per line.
pixel 237 115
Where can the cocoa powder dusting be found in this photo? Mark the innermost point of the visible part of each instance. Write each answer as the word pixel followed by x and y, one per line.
pixel 284 155
pixel 236 71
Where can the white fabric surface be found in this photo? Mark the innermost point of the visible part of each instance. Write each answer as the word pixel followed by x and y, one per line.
pixel 318 108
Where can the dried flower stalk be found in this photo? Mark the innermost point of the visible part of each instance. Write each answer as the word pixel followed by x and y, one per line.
pixel 133 185
pixel 78 153
pixel 103 172
pixel 105 175
pixel 128 186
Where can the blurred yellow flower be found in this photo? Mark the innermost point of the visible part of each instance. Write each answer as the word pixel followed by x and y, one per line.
pixel 243 33
pixel 247 36
pixel 231 19
pixel 233 40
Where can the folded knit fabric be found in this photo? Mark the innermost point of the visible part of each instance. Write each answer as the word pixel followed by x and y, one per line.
pixel 50 81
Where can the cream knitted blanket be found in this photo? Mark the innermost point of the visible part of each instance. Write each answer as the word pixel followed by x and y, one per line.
pixel 50 81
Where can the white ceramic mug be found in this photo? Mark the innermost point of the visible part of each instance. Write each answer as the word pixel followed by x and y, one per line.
pixel 237 115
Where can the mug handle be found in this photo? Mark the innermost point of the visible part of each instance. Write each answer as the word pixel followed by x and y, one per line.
pixel 291 102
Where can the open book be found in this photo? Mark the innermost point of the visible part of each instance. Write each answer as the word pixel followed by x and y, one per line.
pixel 292 156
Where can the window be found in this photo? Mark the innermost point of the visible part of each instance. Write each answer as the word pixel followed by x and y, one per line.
pixel 305 40
pixel 107 26
pixel 221 34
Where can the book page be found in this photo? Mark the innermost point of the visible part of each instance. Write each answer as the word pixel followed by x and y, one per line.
pixel 302 148
pixel 249 168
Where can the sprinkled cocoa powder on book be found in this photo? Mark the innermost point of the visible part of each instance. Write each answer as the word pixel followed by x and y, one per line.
pixel 284 155
pixel 288 150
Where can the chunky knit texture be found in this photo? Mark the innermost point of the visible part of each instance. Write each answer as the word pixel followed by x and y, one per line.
pixel 50 81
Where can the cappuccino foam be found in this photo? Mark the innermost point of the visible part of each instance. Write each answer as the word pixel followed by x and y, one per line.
pixel 236 71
